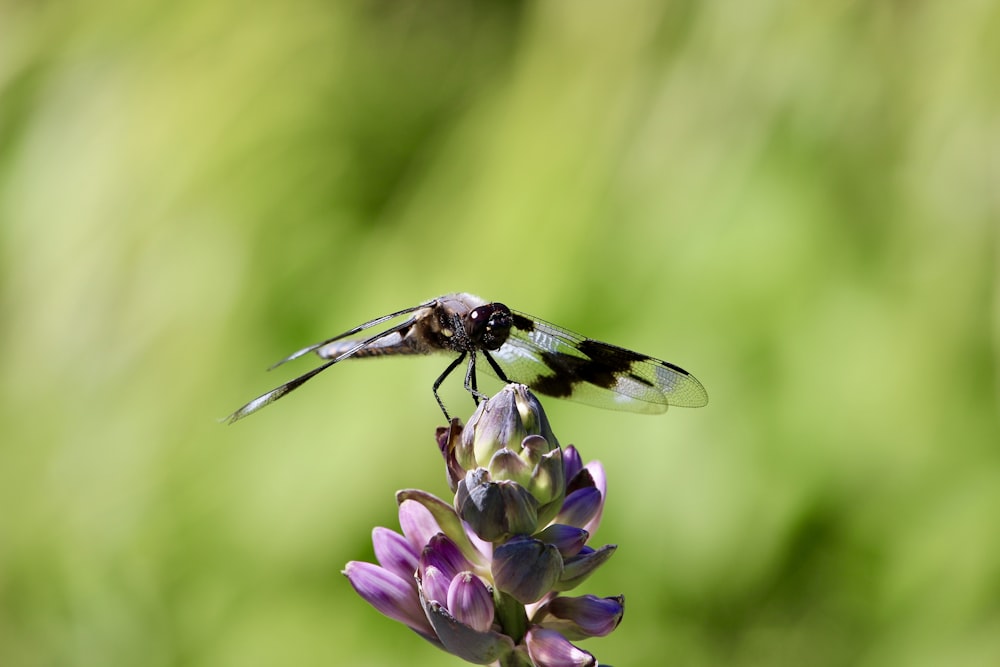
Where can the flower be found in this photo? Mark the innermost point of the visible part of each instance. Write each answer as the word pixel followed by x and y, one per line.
pixel 482 578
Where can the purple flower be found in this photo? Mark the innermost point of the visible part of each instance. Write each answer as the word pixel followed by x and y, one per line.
pixel 581 617
pixel 548 647
pixel 482 578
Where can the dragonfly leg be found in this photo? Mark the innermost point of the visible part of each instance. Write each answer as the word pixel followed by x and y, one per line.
pixel 437 383
pixel 496 367
pixel 470 381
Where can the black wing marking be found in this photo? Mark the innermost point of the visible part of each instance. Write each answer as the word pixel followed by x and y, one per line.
pixel 557 362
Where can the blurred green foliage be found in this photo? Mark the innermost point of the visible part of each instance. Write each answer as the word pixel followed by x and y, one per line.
pixel 796 201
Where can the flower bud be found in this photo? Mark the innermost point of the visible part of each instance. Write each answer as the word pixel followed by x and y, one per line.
pixel 433 584
pixel 581 617
pixel 526 569
pixel 495 510
pixel 568 539
pixel 547 483
pixel 443 554
pixel 507 465
pixel 548 648
pixel 470 602
pixel 504 421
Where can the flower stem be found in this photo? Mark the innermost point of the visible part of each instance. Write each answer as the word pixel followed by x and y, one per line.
pixel 511 616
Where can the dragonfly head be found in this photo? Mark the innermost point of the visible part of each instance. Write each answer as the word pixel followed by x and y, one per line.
pixel 489 325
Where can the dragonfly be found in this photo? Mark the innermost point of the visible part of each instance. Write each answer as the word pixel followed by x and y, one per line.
pixel 516 347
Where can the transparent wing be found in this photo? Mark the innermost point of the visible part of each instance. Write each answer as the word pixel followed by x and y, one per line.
pixel 346 351
pixel 556 362
pixel 350 345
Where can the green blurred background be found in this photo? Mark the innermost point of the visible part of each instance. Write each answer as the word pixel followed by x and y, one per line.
pixel 796 201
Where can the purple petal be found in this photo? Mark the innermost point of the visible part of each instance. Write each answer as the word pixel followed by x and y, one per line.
pixel 572 462
pixel 596 470
pixel 444 555
pixel 433 585
pixel 389 594
pixel 580 507
pixel 548 648
pixel 394 553
pixel 568 539
pixel 470 601
pixel 582 617
pixel 446 519
pixel 418 524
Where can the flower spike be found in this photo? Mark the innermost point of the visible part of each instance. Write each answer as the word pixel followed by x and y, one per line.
pixel 481 578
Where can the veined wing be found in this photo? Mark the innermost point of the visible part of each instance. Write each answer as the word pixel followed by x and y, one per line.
pixel 345 351
pixel 557 362
pixel 327 350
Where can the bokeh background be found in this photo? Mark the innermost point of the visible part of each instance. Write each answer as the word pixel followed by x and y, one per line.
pixel 796 201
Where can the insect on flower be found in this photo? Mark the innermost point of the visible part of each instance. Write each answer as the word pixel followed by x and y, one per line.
pixel 517 348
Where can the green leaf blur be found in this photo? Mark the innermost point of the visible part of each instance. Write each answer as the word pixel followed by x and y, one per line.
pixel 798 202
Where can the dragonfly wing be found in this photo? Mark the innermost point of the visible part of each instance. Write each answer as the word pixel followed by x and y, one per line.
pixel 557 362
